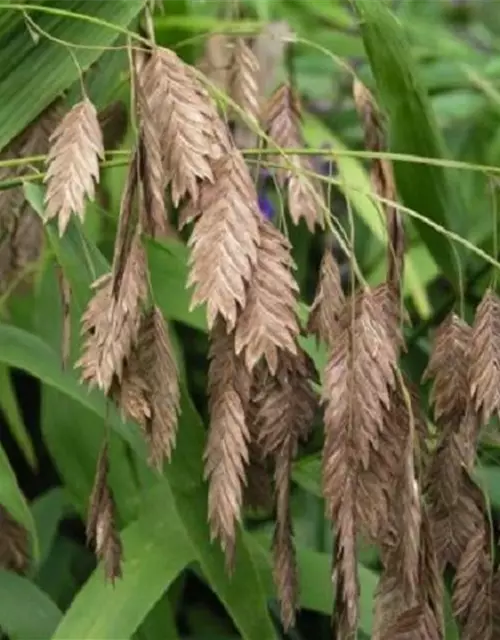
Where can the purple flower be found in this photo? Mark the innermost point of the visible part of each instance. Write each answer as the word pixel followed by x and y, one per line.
pixel 266 207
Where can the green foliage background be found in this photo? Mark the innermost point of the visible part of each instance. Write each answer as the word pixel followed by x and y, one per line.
pixel 435 68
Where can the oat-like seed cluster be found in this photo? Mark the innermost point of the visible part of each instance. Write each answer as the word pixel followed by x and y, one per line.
pixel 385 477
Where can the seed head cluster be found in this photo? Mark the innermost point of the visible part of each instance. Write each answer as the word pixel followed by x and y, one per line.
pixel 385 476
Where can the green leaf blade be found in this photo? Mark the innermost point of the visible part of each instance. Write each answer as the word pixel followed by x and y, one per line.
pixel 12 498
pixel 34 74
pixel 156 550
pixel 26 612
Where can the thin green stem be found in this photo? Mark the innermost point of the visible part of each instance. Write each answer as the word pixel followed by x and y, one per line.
pixel 325 152
pixel 494 210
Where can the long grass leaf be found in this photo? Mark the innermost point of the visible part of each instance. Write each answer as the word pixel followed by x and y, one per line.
pixel 26 612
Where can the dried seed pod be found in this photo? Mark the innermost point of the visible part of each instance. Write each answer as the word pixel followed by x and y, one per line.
pixel 305 193
pixel 226 452
pixel 149 391
pixel 328 301
pixel 73 163
pixel 268 322
pixel 191 133
pixel 225 239
pixel 101 524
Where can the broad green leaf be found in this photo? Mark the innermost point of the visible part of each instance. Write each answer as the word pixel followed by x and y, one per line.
pixel 14 418
pixel 35 74
pixel 26 612
pixel 12 498
pixel 156 549
pixel 413 130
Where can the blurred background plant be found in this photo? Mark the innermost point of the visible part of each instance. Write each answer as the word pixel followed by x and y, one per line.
pixel 174 585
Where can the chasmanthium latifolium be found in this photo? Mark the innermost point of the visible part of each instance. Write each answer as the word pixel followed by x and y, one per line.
pixel 381 479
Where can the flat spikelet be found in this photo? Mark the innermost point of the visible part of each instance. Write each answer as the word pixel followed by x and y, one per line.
pixel 485 357
pixel 285 410
pixel 453 522
pixel 243 80
pixel 431 584
pixel 188 124
pixel 305 198
pixel 381 171
pixel 398 617
pixel 379 483
pixel 268 321
pixel 151 172
pixel 328 301
pixel 225 240
pixel 111 322
pixel 358 378
pixel 449 365
pixel 473 580
pixel 389 509
pixel 258 493
pixel 285 402
pixel 34 140
pixel 285 567
pixel 101 525
pixel 406 507
pixel 452 508
pixel 345 577
pixel 226 453
pixel 458 511
pixel 149 393
pixel 73 163
pixel 357 383
pixel 282 123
